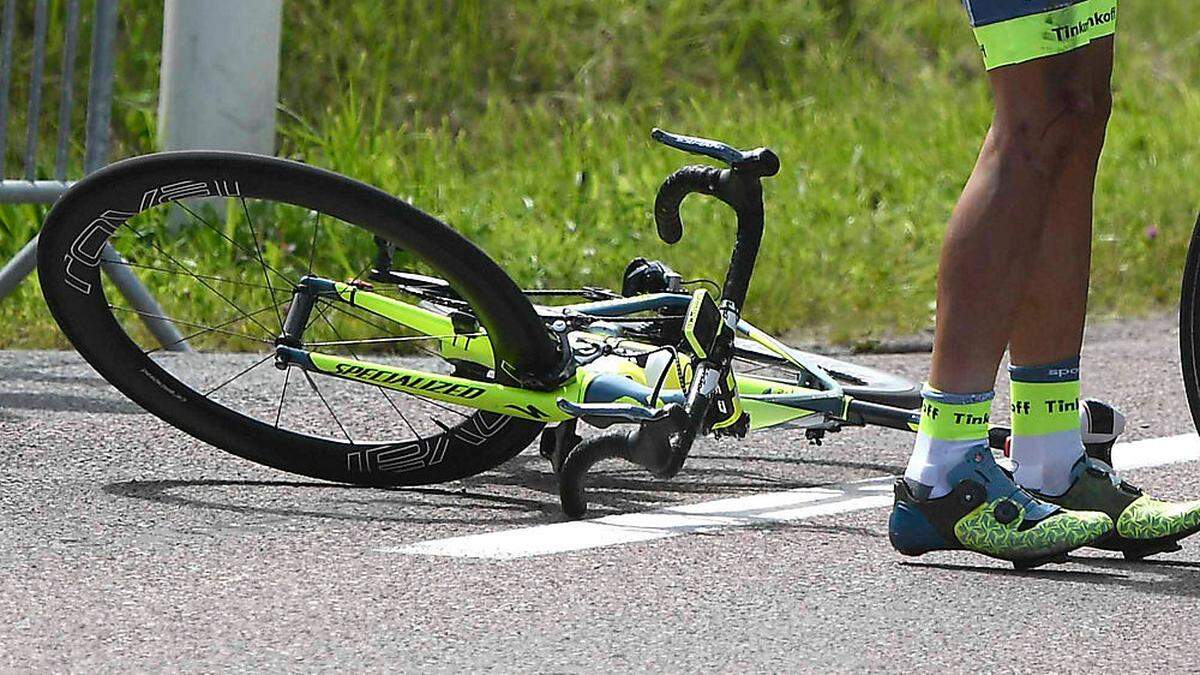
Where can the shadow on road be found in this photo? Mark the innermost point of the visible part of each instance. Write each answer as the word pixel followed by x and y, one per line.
pixel 1182 577
pixel 613 491
pixel 1039 573
pixel 888 469
pixel 616 487
pixel 166 492
pixel 68 403
pixel 35 375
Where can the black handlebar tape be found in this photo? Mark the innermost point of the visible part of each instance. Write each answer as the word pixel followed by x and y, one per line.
pixel 689 179
pixel 648 446
pixel 572 476
pixel 760 162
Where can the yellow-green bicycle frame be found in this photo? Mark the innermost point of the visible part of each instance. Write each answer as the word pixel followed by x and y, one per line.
pixel 607 380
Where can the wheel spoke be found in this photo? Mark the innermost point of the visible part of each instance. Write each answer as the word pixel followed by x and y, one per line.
pixel 312 249
pixel 377 326
pixel 204 283
pixel 214 228
pixel 230 277
pixel 371 341
pixel 256 364
pixel 359 275
pixel 287 375
pixel 313 384
pixel 262 261
pixel 182 274
pixel 206 329
pixel 401 415
pixel 380 389
pixel 336 308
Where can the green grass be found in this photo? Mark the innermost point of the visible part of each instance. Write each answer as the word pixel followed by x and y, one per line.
pixel 525 125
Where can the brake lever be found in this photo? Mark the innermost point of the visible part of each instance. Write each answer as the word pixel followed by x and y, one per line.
pixel 616 412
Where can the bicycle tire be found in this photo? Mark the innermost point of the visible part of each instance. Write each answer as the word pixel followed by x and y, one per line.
pixel 88 214
pixel 861 382
pixel 1189 325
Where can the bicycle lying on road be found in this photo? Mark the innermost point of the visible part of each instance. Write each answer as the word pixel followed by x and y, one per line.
pixel 430 364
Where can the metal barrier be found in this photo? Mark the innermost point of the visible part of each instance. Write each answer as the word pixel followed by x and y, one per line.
pixel 31 190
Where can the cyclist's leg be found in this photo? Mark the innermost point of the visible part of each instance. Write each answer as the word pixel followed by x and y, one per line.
pixel 1048 326
pixel 1044 111
pixel 1048 329
pixel 1045 116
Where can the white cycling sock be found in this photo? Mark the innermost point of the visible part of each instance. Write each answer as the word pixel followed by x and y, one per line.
pixel 952 427
pixel 1046 439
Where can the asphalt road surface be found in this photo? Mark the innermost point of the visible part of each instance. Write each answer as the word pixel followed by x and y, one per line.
pixel 130 546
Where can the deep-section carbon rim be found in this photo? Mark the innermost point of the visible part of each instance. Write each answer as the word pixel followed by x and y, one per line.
pixel 227 187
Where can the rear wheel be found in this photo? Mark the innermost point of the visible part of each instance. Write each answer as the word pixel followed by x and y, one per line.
pixel 861 382
pixel 221 240
pixel 1189 325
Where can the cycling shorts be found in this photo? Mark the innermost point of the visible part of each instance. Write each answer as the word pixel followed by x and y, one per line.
pixel 1015 31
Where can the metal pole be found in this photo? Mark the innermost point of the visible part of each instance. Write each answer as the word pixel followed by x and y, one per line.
pixel 220 75
pixel 100 85
pixel 36 77
pixel 66 95
pixel 140 299
pixel 18 268
pixel 6 40
pixel 99 124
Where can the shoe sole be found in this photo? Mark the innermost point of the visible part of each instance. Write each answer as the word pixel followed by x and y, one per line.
pixel 1135 549
pixel 1028 564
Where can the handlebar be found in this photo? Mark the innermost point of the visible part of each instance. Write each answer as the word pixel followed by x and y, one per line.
pixel 761 160
pixel 689 179
pixel 739 186
pixel 661 443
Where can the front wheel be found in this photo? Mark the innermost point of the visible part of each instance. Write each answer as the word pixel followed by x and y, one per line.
pixel 221 239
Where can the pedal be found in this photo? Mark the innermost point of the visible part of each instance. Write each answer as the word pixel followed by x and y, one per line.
pixel 1101 425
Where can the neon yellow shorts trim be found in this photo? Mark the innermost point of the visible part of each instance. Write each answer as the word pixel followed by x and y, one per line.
pixel 1047 33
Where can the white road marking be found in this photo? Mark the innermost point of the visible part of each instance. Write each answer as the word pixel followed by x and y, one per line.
pixel 1156 452
pixel 735 512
